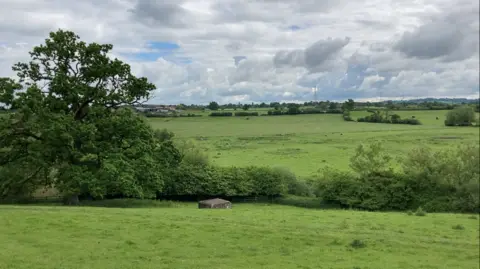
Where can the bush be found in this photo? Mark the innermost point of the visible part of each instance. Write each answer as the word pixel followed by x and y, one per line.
pixel 312 111
pixel 334 111
pixel 275 112
pixel 420 212
pixel 221 114
pixel 346 116
pixel 378 116
pixel 458 227
pixel 442 181
pixel 245 114
pixel 460 116
pixel 358 244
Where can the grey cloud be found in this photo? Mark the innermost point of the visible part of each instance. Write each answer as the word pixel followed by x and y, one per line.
pixel 289 58
pixel 234 46
pixel 450 36
pixel 235 92
pixel 318 57
pixel 430 41
pixel 371 23
pixel 252 71
pixel 323 50
pixel 161 13
pixel 310 6
pixel 242 11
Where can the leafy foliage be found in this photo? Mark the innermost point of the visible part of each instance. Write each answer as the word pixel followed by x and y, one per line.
pixel 71 130
pixel 378 116
pixel 246 114
pixel 221 114
pixel 348 105
pixel 213 106
pixel 437 181
pixel 460 116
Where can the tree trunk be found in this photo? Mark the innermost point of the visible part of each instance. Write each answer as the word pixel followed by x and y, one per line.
pixel 71 200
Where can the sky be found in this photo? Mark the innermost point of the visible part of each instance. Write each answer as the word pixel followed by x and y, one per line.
pixel 246 51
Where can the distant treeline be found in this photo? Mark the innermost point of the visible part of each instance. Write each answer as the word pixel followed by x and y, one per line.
pixel 160 115
pixel 277 112
pixel 418 104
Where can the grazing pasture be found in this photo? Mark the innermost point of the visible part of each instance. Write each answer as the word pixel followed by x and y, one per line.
pixel 249 236
pixel 306 143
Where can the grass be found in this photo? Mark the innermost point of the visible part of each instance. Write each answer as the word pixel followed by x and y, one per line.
pixel 249 236
pixel 306 143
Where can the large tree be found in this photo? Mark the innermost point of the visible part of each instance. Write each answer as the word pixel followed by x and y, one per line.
pixel 348 105
pixel 72 129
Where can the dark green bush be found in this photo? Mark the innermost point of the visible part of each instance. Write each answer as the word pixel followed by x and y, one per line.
pixel 346 116
pixel 442 181
pixel 221 114
pixel 312 111
pixel 245 114
pixel 378 116
pixel 460 116
pixel 275 112
pixel 334 111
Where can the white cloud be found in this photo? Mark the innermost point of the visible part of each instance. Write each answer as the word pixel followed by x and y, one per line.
pixel 350 49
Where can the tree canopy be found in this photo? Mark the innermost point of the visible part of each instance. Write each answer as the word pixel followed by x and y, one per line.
pixel 213 105
pixel 72 129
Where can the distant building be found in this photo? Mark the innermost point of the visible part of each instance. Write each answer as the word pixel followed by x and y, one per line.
pixel 156 109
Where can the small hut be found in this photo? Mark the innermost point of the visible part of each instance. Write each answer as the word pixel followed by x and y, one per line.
pixel 215 203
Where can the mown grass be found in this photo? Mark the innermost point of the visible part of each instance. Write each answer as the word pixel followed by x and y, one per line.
pixel 249 236
pixel 306 143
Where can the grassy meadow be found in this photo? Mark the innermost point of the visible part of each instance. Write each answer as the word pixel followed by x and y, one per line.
pixel 306 143
pixel 249 236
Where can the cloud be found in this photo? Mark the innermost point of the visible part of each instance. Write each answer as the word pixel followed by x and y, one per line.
pixel 264 51
pixel 451 35
pixel 161 13
pixel 314 58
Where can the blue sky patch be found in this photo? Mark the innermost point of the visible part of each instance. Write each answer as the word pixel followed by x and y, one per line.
pixel 294 28
pixel 157 49
pixel 163 45
pixel 237 59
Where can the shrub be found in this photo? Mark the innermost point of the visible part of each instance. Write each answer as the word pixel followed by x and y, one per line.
pixel 275 112
pixel 245 114
pixel 458 227
pixel 460 116
pixel 221 114
pixel 163 135
pixel 346 116
pixel 378 116
pixel 192 154
pixel 334 111
pixel 434 181
pixel 358 244
pixel 420 212
pixel 312 111
pixel 445 180
pixel 267 181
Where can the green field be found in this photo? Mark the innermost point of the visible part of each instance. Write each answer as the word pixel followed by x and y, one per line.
pixel 249 236
pixel 306 143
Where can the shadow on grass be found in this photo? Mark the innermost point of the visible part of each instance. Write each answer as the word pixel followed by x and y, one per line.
pixel 133 203
pixel 304 202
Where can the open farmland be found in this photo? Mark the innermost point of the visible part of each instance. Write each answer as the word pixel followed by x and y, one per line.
pixel 306 143
pixel 247 237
